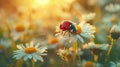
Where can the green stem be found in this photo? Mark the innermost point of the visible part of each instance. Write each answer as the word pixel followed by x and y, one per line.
pixel 22 37
pixel 75 46
pixel 108 53
pixel 33 64
pixel 68 64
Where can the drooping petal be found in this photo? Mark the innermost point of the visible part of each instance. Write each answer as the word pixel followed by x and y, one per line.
pixel 25 57
pixel 19 56
pixel 41 59
pixel 43 54
pixel 85 35
pixel 34 59
pixel 80 38
pixel 29 56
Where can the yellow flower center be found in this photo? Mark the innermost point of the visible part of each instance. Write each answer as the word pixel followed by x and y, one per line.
pixel 2 47
pixel 79 30
pixel 89 64
pixel 53 40
pixel 30 50
pixel 114 20
pixel 20 27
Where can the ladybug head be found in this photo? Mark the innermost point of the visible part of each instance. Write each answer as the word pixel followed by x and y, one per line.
pixel 65 26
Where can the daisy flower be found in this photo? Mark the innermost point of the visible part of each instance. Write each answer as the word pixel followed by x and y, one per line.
pixel 5 43
pixel 109 20
pixel 30 51
pixel 65 54
pixel 69 30
pixel 97 48
pixel 87 17
pixel 17 29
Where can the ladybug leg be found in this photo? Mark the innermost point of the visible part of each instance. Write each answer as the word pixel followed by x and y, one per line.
pixel 69 33
pixel 64 33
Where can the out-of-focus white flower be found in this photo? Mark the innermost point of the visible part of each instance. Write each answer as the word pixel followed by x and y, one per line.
pixel 87 17
pixel 113 7
pixel 92 45
pixel 118 64
pixel 92 2
pixel 115 28
pixel 97 2
pixel 5 43
pixel 96 49
pixel 30 51
pixel 109 20
pixel 78 51
pixel 82 32
pixel 63 53
pixel 112 64
pixel 67 54
pixel 115 31
pixel 19 28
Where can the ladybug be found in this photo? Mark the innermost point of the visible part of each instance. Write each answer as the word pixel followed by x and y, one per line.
pixel 68 26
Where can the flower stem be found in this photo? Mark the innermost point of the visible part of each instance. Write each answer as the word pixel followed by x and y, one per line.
pixel 95 58
pixel 33 64
pixel 22 36
pixel 75 50
pixel 108 53
pixel 68 64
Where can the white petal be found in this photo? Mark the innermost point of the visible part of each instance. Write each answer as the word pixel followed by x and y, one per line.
pixel 85 35
pixel 80 38
pixel 29 56
pixel 43 54
pixel 41 59
pixel 38 58
pixel 31 44
pixel 25 58
pixel 37 45
pixel 41 50
pixel 27 45
pixel 19 56
pixel 75 38
pixel 23 46
pixel 19 47
pixel 34 59
pixel 18 51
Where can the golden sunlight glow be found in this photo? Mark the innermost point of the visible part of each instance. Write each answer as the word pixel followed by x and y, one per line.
pixel 42 2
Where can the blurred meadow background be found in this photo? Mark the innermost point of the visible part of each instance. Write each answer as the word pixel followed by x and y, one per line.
pixel 59 33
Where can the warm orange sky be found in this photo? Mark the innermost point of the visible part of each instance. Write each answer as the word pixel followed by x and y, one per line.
pixel 11 5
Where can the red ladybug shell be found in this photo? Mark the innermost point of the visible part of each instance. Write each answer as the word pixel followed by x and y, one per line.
pixel 65 26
